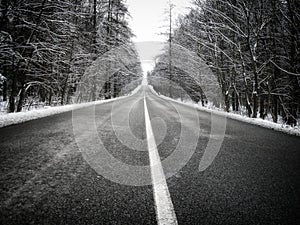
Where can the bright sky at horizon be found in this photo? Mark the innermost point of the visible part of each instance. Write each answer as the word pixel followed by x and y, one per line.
pixel 149 17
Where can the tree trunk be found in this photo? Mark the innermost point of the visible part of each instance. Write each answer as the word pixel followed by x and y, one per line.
pixel 233 101
pixel 21 98
pixel 170 51
pixel 107 90
pixel 294 59
pixel 12 105
pixel 237 103
pixel 5 91
pixel 262 107
pixel 11 108
pixel 275 109
pixel 227 101
pixel 50 98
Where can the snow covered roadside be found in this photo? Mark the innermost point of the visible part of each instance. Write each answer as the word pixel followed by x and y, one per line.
pixel 15 118
pixel 255 121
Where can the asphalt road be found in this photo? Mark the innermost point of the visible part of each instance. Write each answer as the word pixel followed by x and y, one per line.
pixel 45 178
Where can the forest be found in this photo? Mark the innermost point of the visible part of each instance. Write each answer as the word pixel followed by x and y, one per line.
pixel 46 47
pixel 252 47
pixel 50 48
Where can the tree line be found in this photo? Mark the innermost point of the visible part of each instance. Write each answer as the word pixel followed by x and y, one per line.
pixel 252 47
pixel 47 45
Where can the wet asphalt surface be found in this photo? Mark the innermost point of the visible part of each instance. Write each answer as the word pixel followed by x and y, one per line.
pixel 45 179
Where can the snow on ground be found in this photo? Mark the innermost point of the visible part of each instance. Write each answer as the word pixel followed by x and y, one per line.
pixel 20 117
pixel 255 121
pixel 15 118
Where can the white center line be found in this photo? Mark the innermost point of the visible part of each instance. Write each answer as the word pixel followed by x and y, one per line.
pixel 165 213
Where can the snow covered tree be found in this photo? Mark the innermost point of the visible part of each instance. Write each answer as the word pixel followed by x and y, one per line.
pixel 46 46
pixel 253 49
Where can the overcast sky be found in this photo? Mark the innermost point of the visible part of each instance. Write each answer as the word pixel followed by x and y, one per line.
pixel 148 17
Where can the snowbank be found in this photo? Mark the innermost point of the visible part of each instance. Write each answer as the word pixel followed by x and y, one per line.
pixel 15 118
pixel 255 121
pixel 20 117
